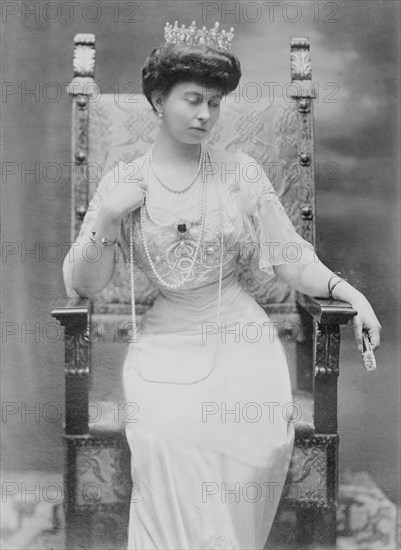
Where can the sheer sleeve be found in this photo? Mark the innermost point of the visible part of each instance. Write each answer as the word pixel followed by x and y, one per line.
pixel 107 183
pixel 271 230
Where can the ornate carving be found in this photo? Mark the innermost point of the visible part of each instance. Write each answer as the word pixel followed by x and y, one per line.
pixel 304 159
pixel 101 476
pixel 307 175
pixel 82 101
pixel 325 371
pixel 312 472
pixel 306 212
pixel 80 212
pixel 115 440
pixel 325 440
pixel 80 157
pixel 302 89
pixel 327 350
pixel 77 354
pixel 300 42
pixel 304 105
pixel 85 38
pixel 301 67
pixel 84 55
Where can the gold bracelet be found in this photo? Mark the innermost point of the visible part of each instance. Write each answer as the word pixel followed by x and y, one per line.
pixel 103 240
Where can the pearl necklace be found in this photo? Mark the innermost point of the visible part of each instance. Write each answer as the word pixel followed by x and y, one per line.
pixel 216 346
pixel 182 223
pixel 190 184
pixel 145 246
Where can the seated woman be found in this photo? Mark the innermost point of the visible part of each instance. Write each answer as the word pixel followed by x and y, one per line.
pixel 205 475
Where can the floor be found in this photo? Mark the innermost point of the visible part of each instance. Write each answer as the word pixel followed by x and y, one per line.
pixel 32 514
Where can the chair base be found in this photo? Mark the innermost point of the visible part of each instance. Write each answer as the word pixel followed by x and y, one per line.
pixel 98 490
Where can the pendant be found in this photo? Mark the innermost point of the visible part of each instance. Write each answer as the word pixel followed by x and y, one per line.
pixel 182 227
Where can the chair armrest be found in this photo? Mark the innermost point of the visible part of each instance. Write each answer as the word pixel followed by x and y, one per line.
pixel 325 311
pixel 327 316
pixel 73 313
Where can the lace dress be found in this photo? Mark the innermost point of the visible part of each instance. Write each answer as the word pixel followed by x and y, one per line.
pixel 208 459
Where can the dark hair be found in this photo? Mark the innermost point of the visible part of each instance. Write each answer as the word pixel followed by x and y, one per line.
pixel 172 63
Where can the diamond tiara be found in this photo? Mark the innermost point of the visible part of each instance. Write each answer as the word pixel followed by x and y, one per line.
pixel 221 40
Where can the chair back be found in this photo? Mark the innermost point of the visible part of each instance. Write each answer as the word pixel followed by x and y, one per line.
pixel 276 131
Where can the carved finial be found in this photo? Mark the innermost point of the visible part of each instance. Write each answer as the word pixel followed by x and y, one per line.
pixel 85 38
pixel 84 55
pixel 301 68
pixel 302 42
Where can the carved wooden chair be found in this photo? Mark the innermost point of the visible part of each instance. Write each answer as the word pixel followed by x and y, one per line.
pixel 279 135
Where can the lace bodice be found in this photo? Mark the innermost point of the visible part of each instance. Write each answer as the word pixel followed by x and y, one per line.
pixel 255 225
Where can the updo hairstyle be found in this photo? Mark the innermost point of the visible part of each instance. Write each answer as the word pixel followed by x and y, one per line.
pixel 171 64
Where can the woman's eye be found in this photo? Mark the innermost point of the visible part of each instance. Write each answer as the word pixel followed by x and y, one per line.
pixel 192 101
pixel 215 104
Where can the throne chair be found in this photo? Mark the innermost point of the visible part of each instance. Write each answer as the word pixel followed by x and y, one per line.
pixel 278 134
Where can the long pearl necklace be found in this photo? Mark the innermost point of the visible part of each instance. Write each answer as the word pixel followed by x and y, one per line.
pixel 216 346
pixel 181 245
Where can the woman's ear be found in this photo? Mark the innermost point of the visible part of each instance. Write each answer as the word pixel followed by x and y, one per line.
pixel 157 100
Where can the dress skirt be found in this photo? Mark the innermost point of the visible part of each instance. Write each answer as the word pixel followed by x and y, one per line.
pixel 209 458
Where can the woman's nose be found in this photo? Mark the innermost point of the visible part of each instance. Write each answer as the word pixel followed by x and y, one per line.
pixel 203 113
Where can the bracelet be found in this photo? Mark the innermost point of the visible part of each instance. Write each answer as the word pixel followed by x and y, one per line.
pixel 341 280
pixel 103 240
pixel 334 286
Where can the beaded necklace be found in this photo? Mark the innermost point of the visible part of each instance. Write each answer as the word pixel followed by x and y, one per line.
pixel 181 226
pixel 183 223
pixel 177 285
pixel 171 189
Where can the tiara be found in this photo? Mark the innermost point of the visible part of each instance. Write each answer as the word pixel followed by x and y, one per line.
pixel 198 37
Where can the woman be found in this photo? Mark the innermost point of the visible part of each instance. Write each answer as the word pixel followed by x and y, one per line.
pixel 207 472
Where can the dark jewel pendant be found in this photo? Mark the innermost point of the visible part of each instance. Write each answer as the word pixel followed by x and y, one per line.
pixel 182 227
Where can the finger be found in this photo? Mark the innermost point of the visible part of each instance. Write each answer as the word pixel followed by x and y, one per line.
pixel 357 324
pixel 374 337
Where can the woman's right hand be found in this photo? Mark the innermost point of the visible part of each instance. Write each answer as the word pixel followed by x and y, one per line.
pixel 126 197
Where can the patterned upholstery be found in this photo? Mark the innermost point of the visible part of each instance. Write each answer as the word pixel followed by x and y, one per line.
pixel 123 128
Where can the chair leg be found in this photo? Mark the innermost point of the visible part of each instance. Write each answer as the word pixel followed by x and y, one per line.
pixel 317 528
pixel 78 533
pixel 326 528
pixel 305 527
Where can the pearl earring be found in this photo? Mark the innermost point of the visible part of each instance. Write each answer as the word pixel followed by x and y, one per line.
pixel 160 115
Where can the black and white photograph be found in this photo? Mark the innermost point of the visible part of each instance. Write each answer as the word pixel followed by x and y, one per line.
pixel 200 275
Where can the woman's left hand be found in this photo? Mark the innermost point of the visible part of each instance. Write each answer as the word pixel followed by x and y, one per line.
pixel 366 320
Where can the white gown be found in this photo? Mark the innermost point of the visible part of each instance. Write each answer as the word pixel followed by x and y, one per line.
pixel 209 459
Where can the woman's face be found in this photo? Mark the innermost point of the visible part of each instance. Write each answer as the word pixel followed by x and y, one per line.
pixel 190 111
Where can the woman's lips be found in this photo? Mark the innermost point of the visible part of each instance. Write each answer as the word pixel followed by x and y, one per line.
pixel 199 129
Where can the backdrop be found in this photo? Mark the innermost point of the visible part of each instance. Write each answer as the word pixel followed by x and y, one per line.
pixel 355 63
